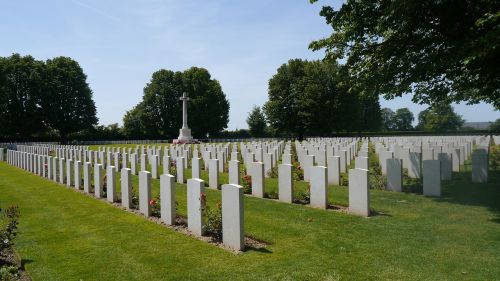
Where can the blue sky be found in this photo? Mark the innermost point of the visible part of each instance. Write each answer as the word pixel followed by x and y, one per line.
pixel 120 44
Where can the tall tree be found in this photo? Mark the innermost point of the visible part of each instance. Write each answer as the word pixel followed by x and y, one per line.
pixel 159 114
pixel 132 124
pixel 256 122
pixel 371 113
pixel 21 87
pixel 403 119
pixel 208 107
pixel 441 51
pixel 284 105
pixel 67 103
pixel 387 119
pixel 313 98
pixel 439 118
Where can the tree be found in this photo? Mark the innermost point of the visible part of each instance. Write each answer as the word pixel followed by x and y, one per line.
pixel 21 87
pixel 67 102
pixel 495 126
pixel 44 99
pixel 313 98
pixel 208 107
pixel 439 118
pixel 441 51
pixel 159 114
pixel 132 124
pixel 403 119
pixel 387 119
pixel 256 122
pixel 370 113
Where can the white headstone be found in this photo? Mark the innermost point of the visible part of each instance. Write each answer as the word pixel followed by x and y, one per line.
pixel 213 173
pixel 69 172
pixel 308 164
pixel 446 165
pixel 394 174
pixel 154 166
pixel 145 193
pixel 86 176
pixel 78 174
pixel 166 164
pixel 195 205
pixel 232 216
pixel 479 166
pixel 285 183
pixel 98 180
pixel 195 168
pixel 319 191
pixel 62 164
pixel 167 196
pixel 111 195
pixel 333 163
pixel 359 192
pixel 361 163
pixel 432 178
pixel 143 163
pixel 257 175
pixel 234 172
pixel 414 165
pixel 455 159
pixel 384 155
pixel 287 159
pixel 126 188
pixel 179 165
pixel 268 164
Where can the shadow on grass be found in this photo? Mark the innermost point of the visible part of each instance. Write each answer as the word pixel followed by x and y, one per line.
pixel 256 245
pixel 375 213
pixel 257 249
pixel 461 190
pixel 24 262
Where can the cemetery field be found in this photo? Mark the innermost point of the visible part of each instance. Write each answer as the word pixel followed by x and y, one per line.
pixel 66 235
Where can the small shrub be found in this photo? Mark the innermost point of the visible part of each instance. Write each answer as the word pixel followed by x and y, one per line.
pixel 8 228
pixel 377 181
pixel 375 178
pixel 271 195
pixel 213 219
pixel 8 273
pixel 304 196
pixel 173 168
pixel 247 184
pixel 273 173
pixel 135 200
pixel 155 207
pixel 297 172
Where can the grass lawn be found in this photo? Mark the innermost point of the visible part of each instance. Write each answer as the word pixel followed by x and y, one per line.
pixel 65 235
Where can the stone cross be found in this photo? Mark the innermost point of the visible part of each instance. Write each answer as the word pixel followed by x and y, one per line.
pixel 184 132
pixel 184 100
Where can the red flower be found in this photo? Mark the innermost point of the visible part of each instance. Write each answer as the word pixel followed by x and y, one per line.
pixel 203 197
pixel 152 202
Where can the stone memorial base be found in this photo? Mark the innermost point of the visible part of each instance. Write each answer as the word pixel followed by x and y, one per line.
pixel 184 137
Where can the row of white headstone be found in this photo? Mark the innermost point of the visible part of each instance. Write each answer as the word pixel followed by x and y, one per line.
pixel 433 161
pixel 72 174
